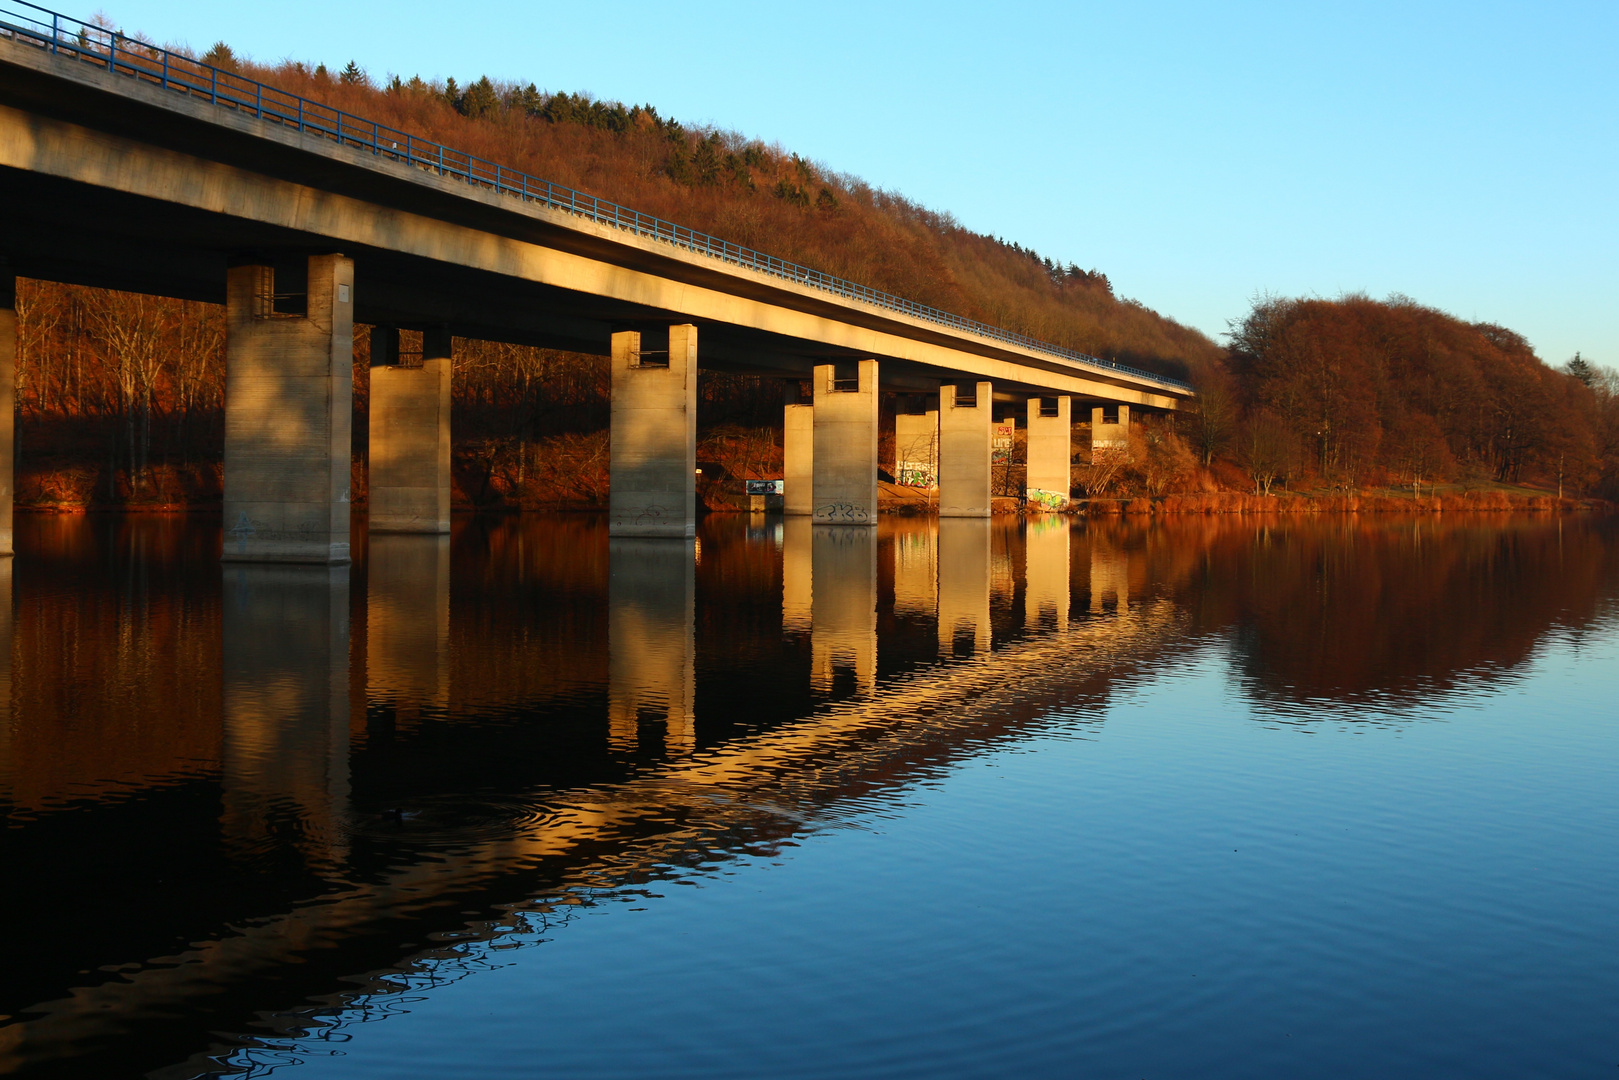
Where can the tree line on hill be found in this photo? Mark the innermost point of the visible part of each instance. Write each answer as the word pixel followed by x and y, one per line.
pixel 120 396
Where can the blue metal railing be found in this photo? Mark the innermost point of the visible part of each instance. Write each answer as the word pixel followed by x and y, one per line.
pixel 76 40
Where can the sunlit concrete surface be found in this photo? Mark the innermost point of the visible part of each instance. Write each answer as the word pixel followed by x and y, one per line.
pixel 407 622
pixel 285 751
pixel 289 388
pixel 966 424
pixel 1050 454
pixel 964 583
pixel 798 457
pixel 845 463
pixel 843 636
pixel 653 472
pixel 651 673
pixel 409 414
pixel 1110 434
pixel 916 448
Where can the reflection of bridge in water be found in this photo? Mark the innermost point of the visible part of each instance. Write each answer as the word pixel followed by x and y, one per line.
pixel 372 761
pixel 288 737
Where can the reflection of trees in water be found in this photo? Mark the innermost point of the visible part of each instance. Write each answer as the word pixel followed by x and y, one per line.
pixel 1347 608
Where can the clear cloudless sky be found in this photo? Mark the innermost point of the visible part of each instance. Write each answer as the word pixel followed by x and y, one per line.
pixel 1463 154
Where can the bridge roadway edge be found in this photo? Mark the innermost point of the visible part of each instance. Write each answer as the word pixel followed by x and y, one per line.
pixel 807 322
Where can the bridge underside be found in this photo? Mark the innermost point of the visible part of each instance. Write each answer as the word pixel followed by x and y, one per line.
pixel 213 205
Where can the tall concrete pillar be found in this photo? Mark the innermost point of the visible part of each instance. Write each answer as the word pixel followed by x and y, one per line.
pixel 285 751
pixel 1051 453
pixel 410 434
pixel 407 622
pixel 651 642
pixel 846 443
pixel 963 585
pixel 1110 433
pixel 289 384
pixel 1046 572
pixel 653 483
pixel 798 455
pixel 916 449
pixel 843 634
pixel 8 403
pixel 966 426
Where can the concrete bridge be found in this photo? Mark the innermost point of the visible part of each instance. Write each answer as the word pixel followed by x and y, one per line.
pixel 127 166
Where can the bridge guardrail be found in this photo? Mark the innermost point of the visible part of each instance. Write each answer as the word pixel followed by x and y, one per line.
pixel 113 51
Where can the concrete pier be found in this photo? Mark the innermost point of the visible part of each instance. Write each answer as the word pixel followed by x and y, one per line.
pixel 798 455
pixel 653 483
pixel 846 443
pixel 410 434
pixel 1110 427
pixel 966 423
pixel 964 627
pixel 8 403
pixel 289 371
pixel 651 642
pixel 916 449
pixel 1051 453
pixel 843 634
pixel 284 756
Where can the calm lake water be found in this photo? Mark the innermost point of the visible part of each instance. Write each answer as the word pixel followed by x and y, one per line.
pixel 1209 797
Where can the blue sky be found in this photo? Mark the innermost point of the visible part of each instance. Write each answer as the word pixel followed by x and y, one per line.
pixel 1462 154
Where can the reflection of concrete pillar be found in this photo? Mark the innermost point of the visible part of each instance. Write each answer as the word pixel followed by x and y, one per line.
pixel 846 443
pixel 844 621
pixel 1110 430
pixel 797 582
pixel 916 449
pixel 286 707
pixel 407 621
pixel 966 422
pixel 798 458
pixel 7 778
pixel 1045 571
pixel 653 483
pixel 651 650
pixel 1110 576
pixel 963 583
pixel 916 567
pixel 1050 453
pixel 8 403
pixel 410 435
pixel 289 387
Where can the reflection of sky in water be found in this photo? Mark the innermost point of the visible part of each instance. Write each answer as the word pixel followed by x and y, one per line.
pixel 1196 797
pixel 1173 884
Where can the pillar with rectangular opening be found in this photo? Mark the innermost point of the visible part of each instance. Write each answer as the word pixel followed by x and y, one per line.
pixel 916 449
pixel 1110 427
pixel 289 371
pixel 846 443
pixel 1050 453
pixel 409 489
pixel 653 457
pixel 966 424
pixel 8 402
pixel 797 453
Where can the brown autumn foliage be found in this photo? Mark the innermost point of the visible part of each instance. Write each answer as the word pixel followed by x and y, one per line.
pixel 1355 393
